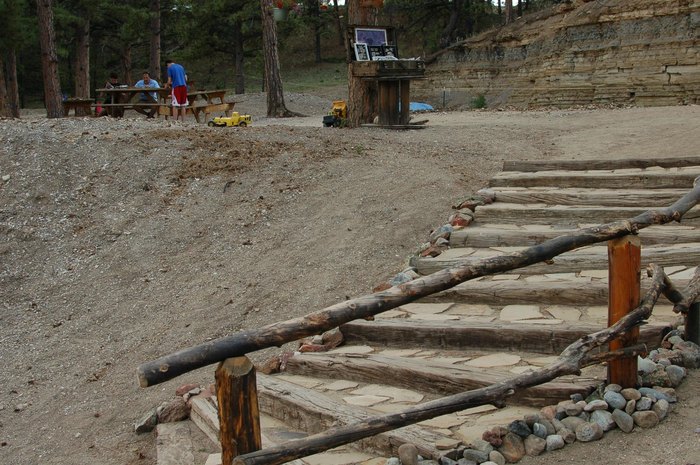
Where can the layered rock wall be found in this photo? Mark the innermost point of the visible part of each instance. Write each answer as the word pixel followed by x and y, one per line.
pixel 639 52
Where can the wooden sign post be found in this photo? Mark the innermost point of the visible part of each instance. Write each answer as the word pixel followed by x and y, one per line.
pixel 624 268
pixel 239 416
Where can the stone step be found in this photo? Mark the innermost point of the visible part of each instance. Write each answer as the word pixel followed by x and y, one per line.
pixel 572 215
pixel 545 335
pixel 306 404
pixel 584 196
pixel 439 375
pixel 645 178
pixel 504 235
pixel 585 258
pixel 589 287
pixel 598 164
pixel 174 444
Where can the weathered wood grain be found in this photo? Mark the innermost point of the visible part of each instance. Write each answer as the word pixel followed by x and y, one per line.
pixel 582 196
pixel 513 213
pixel 427 376
pixel 647 179
pixel 313 412
pixel 453 335
pixel 493 236
pixel 609 164
pixel 589 258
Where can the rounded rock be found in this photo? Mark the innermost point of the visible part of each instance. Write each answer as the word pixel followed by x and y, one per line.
pixel 475 455
pixel 573 422
pixel 613 387
pixel 513 448
pixel 520 428
pixel 630 394
pixel 408 454
pixel 675 374
pixel 480 444
pixel 396 461
pixel 549 426
pixel 643 404
pixel 588 432
pixel 645 365
pixel 661 408
pixel 615 399
pixel 645 419
pixel 596 405
pixel 554 442
pixel 623 420
pixel 631 407
pixel 539 430
pixel 534 445
pixel 573 410
pixel 497 458
pixel 604 419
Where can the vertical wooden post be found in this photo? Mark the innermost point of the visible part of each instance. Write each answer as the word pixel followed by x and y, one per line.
pixel 239 417
pixel 692 324
pixel 624 268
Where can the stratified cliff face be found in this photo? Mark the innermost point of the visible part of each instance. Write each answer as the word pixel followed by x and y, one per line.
pixel 639 52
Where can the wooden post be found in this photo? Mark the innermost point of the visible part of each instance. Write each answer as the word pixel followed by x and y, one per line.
pixel 239 417
pixel 692 324
pixel 624 268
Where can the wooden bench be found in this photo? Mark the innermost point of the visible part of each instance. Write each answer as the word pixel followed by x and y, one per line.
pixel 196 110
pixel 80 106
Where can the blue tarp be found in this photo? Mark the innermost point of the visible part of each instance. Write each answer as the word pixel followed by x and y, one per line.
pixel 417 106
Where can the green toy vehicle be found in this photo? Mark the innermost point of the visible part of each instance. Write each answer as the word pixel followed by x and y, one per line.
pixel 234 120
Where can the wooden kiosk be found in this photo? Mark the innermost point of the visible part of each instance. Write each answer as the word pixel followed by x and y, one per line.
pixel 386 77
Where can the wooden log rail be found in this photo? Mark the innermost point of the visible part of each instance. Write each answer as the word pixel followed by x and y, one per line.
pixel 276 334
pixel 575 357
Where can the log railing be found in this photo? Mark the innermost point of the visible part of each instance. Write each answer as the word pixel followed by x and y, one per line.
pixel 572 359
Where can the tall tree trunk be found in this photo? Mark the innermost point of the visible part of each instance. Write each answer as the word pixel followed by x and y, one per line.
pixel 154 64
pixel 273 81
pixel 339 24
pixel 509 11
pixel 500 10
pixel 449 32
pixel 82 65
pixel 520 8
pixel 361 94
pixel 49 60
pixel 4 104
pixel 316 15
pixel 126 65
pixel 11 83
pixel 238 57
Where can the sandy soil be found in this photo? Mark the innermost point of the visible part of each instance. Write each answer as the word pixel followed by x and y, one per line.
pixel 124 240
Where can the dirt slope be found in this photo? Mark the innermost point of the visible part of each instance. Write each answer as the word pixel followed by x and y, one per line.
pixel 125 240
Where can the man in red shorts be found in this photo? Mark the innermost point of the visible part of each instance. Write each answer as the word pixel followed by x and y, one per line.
pixel 177 80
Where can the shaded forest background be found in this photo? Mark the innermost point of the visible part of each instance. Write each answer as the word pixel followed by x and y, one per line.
pixel 219 41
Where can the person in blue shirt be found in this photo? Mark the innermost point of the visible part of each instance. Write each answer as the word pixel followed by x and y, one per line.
pixel 177 80
pixel 148 97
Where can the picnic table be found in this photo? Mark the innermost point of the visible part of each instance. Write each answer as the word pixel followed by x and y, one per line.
pixel 200 102
pixel 80 106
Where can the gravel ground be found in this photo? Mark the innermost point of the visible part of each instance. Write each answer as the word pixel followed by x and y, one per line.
pixel 124 240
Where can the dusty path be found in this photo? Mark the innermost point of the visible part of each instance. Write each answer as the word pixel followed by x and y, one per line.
pixel 124 240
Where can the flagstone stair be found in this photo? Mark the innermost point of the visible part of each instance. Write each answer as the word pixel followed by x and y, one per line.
pixel 487 329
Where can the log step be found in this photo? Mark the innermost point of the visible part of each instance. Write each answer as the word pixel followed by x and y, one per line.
pixel 649 178
pixel 514 213
pixel 455 335
pixel 433 376
pixel 610 164
pixel 583 196
pixel 552 289
pixel 505 235
pixel 586 258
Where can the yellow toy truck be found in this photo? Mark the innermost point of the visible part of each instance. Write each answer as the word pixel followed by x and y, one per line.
pixel 234 120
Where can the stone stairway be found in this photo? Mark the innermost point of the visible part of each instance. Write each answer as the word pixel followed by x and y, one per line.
pixel 487 329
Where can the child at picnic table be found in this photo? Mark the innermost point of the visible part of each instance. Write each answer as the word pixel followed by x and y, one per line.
pixel 112 98
pixel 177 80
pixel 148 97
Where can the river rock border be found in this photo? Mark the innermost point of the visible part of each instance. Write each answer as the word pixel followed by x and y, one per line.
pixel 578 419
